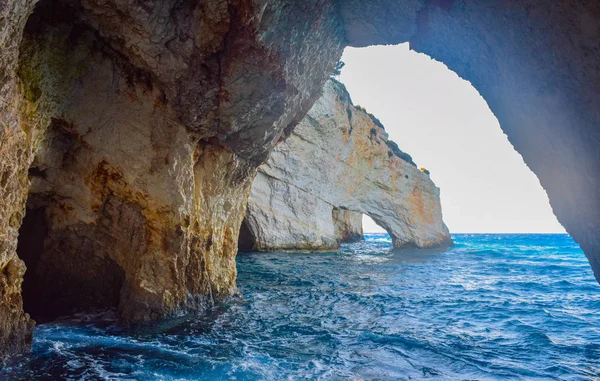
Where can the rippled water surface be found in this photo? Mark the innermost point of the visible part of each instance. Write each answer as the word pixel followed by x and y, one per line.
pixel 492 307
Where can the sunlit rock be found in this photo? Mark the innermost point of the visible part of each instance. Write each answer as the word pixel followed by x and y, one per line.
pixel 130 134
pixel 348 226
pixel 164 110
pixel 339 157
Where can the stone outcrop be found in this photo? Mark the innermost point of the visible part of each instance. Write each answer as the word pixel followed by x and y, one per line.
pixel 339 158
pixel 348 226
pixel 283 217
pixel 131 133
pixel 16 152
pixel 209 87
pixel 122 194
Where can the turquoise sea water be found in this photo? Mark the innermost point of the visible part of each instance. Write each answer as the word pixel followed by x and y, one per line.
pixel 494 307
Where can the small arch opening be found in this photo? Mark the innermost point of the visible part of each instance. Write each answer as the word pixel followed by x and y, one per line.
pixel 370 226
pixel 377 226
pixel 246 239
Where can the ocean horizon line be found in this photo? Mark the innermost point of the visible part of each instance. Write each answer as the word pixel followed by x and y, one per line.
pixel 563 233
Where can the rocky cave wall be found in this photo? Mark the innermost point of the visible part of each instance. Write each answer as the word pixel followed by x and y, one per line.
pixel 130 135
pixel 339 158
pixel 227 80
pixel 536 63
pixel 16 152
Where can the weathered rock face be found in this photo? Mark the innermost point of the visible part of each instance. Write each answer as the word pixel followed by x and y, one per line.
pixel 16 152
pixel 339 157
pixel 139 128
pixel 283 217
pixel 348 225
pixel 121 205
pixel 233 77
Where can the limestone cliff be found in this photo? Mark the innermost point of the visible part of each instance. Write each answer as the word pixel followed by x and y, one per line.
pixel 339 158
pixel 159 112
pixel 130 134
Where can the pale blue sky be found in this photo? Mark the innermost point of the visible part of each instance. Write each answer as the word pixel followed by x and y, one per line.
pixel 447 127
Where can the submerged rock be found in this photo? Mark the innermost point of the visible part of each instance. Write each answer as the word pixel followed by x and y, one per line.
pixel 337 159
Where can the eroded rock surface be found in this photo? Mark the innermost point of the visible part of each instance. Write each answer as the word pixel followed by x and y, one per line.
pixel 124 192
pixel 537 64
pixel 209 87
pixel 131 132
pixel 16 152
pixel 340 157
pixel 348 225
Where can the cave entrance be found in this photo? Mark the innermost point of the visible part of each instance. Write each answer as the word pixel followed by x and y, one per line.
pixel 69 263
pixel 246 239
pixel 63 275
pixel 30 247
pixel 447 127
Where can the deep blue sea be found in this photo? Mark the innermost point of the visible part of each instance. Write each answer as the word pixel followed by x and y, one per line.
pixel 494 307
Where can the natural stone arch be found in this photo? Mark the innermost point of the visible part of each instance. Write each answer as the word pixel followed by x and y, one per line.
pixel 339 157
pixel 237 76
pixel 537 64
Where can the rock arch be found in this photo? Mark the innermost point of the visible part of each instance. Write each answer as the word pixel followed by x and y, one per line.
pixel 339 158
pixel 537 66
pixel 230 79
